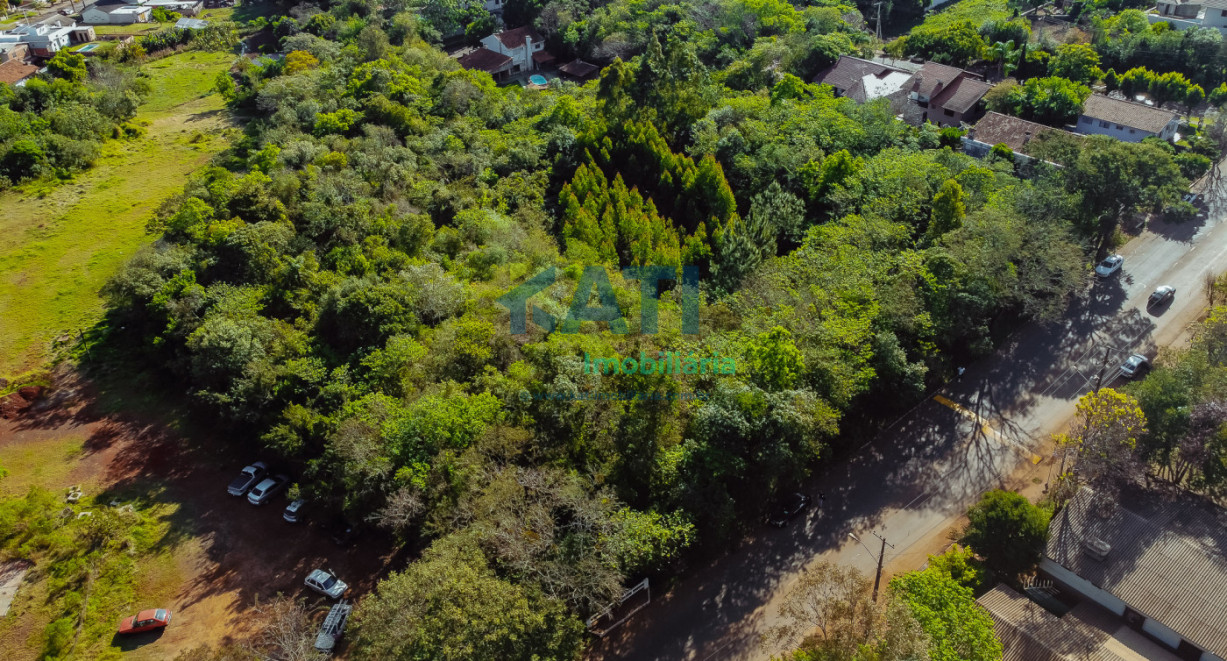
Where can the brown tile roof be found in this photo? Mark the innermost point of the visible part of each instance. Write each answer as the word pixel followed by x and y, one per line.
pixel 848 72
pixel 15 71
pixel 484 59
pixel 543 56
pixel 579 69
pixel 515 38
pixel 934 77
pixel 961 95
pixel 1030 633
pixel 1127 113
pixel 1168 565
pixel 995 128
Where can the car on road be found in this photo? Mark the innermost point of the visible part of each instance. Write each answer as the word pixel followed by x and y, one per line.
pixel 146 620
pixel 787 508
pixel 293 511
pixel 250 476
pixel 326 584
pixel 1109 266
pixel 1134 365
pixel 1161 295
pixel 266 488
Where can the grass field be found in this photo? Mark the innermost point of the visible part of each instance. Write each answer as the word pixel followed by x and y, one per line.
pixel 978 12
pixel 59 243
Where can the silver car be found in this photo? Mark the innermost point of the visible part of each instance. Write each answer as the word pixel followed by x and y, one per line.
pixel 293 511
pixel 266 489
pixel 1109 266
pixel 326 584
pixel 1134 365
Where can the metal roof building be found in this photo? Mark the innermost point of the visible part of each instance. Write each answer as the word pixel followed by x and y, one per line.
pixel 1164 570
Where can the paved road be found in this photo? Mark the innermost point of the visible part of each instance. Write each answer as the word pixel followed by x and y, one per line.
pixel 923 472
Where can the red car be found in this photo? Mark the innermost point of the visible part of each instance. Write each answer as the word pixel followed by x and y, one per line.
pixel 146 620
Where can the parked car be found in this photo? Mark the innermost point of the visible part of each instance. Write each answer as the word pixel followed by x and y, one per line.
pixel 1109 266
pixel 1161 295
pixel 146 620
pixel 787 508
pixel 333 627
pixel 248 478
pixel 326 584
pixel 1134 365
pixel 266 488
pixel 1191 198
pixel 293 511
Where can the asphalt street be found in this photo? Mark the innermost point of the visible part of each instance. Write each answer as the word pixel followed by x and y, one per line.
pixel 921 473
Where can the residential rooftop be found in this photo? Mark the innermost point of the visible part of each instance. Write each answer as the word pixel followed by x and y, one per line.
pixel 1016 133
pixel 1168 565
pixel 1127 113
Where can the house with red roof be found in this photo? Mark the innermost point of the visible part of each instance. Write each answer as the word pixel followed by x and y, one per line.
pixel 523 45
pixel 946 96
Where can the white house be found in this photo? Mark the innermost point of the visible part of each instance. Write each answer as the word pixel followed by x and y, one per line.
pixel 523 45
pixel 1185 14
pixel 116 12
pixel 495 6
pixel 44 40
pixel 1125 120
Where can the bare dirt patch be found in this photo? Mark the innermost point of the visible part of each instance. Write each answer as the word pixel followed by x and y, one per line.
pixel 222 554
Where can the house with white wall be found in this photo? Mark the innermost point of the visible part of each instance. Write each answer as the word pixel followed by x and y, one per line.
pixel 1186 14
pixel 116 13
pixel 524 46
pixel 44 39
pixel 1125 120
pixel 1158 566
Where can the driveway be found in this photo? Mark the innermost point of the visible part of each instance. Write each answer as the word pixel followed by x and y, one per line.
pixel 916 478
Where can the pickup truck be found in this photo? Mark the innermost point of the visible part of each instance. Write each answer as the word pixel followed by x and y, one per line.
pixel 247 479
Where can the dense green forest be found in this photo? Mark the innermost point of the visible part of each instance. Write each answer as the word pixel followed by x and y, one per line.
pixel 328 293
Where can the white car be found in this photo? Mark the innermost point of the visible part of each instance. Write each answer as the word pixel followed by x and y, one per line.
pixel 1109 266
pixel 266 488
pixel 1133 365
pixel 326 584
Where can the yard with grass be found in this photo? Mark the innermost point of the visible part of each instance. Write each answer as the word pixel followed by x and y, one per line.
pixel 61 241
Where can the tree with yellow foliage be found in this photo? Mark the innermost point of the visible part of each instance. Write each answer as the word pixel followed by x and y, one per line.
pixel 1103 441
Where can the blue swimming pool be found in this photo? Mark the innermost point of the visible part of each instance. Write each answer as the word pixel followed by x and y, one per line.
pixel 537 79
pixel 87 48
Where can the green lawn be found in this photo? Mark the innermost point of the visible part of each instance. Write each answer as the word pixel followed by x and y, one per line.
pixel 135 28
pixel 59 243
pixel 976 11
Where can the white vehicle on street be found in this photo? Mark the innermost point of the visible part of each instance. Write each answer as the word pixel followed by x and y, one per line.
pixel 1109 266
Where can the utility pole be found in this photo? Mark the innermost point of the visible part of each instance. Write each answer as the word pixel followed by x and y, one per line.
pixel 878 19
pixel 1107 353
pixel 881 557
